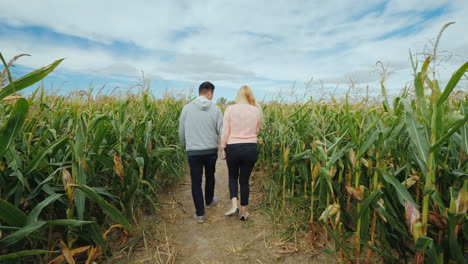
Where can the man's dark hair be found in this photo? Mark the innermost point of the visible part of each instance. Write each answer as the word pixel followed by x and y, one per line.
pixel 205 87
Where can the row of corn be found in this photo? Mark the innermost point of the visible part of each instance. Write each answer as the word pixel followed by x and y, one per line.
pixel 386 181
pixel 78 171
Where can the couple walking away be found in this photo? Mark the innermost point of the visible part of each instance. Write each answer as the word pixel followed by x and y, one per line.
pixel 201 124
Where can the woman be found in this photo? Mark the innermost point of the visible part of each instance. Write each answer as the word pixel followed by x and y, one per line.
pixel 241 124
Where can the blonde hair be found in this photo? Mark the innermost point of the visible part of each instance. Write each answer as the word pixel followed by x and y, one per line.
pixel 246 96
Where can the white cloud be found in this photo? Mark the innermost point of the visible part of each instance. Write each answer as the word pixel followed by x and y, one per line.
pixel 196 66
pixel 236 41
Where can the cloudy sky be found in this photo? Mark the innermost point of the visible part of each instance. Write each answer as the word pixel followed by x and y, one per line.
pixel 268 45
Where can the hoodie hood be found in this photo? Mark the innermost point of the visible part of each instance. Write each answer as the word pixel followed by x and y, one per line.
pixel 202 103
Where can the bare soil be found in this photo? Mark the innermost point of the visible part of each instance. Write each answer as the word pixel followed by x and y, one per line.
pixel 221 239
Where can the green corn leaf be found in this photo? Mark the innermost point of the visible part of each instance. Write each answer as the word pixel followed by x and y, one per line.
pixel 374 123
pixel 464 138
pixel 299 156
pixel 418 137
pixel 420 98
pixel 452 83
pixel 43 152
pixel 68 222
pixel 95 234
pixel 436 197
pixel 325 174
pixel 80 199
pixel 352 129
pixel 365 224
pixel 102 128
pixel 390 139
pixel 456 251
pixel 28 79
pixel 32 97
pixel 401 190
pixel 37 210
pixel 419 85
pixel 368 201
pixel 104 160
pixel 8 228
pixel 337 155
pixel 338 140
pixel 14 158
pixel 455 127
pixel 45 181
pixel 97 119
pixel 21 233
pixel 25 253
pixel 140 161
pixel 161 151
pixel 299 110
pixel 395 224
pixel 426 244
pixel 80 138
pixel 110 210
pixel 105 192
pixel 13 126
pixel 148 184
pixel 383 90
pixel 370 140
pixel 11 215
pixel 336 239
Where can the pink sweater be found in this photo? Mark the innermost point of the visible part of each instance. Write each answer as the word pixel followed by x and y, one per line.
pixel 241 124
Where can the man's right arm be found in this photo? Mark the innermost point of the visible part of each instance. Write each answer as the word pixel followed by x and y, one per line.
pixel 219 122
pixel 226 129
pixel 182 127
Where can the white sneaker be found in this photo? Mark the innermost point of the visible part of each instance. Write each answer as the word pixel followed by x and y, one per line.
pixel 199 219
pixel 213 203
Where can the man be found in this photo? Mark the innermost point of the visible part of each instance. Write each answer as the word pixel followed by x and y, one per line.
pixel 200 125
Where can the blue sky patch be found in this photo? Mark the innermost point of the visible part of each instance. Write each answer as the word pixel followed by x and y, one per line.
pixel 269 46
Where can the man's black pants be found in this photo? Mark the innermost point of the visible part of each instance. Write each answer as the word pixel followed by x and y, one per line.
pixel 240 160
pixel 197 163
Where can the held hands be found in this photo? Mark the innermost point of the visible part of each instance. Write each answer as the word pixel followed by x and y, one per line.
pixel 223 156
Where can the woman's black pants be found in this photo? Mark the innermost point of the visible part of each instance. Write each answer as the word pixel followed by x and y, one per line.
pixel 240 160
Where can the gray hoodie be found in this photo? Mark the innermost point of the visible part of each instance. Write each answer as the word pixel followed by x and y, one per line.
pixel 200 125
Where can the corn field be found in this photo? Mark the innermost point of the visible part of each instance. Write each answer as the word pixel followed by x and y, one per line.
pixel 76 171
pixel 385 181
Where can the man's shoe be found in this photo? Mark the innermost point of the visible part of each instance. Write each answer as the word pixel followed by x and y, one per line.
pixel 213 203
pixel 199 219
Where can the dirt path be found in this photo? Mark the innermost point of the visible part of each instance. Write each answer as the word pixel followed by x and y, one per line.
pixel 220 239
